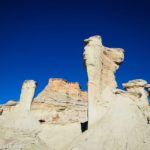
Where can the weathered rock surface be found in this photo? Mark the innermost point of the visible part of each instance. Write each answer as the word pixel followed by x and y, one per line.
pixel 23 130
pixel 27 94
pixel 123 127
pixel 61 102
pixel 52 120
pixel 135 83
pixel 148 89
pixel 136 89
pixel 147 86
pixel 11 103
pixel 93 53
pixel 112 58
pixel 20 131
pixel 101 64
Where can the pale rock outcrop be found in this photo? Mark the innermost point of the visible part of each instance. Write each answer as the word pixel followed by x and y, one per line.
pixel 61 102
pixel 11 103
pixel 23 129
pixel 93 52
pixel 112 58
pixel 136 90
pixel 101 64
pixel 118 91
pixel 123 127
pixel 19 128
pixel 8 106
pixel 27 94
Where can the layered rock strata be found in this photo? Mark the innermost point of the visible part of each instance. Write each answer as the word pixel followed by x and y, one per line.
pixel 61 102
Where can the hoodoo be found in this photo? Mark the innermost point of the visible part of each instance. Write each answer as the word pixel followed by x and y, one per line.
pixel 27 94
pixel 101 64
pixel 93 52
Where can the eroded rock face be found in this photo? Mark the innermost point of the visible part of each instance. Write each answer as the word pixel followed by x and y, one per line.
pixel 148 89
pixel 93 52
pixel 101 64
pixel 27 94
pixel 61 102
pixel 11 103
pixel 112 58
pixel 19 127
pixel 136 90
pixel 123 127
pixel 135 83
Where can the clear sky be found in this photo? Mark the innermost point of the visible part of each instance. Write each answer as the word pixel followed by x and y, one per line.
pixel 42 39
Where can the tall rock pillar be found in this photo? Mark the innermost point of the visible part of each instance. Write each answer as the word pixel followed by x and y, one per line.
pixel 93 52
pixel 27 94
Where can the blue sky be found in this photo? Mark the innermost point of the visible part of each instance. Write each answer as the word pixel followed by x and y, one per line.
pixel 42 39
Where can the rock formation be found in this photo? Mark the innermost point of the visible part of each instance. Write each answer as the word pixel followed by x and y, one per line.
pixel 101 64
pixel 61 102
pixel 112 58
pixel 93 52
pixel 19 128
pixel 136 90
pixel 54 120
pixel 27 94
pixel 147 87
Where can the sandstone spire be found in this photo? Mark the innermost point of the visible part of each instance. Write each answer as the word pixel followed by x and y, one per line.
pixel 101 64
pixel 93 52
pixel 27 94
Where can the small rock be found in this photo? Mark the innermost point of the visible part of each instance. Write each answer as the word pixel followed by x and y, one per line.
pixel 11 103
